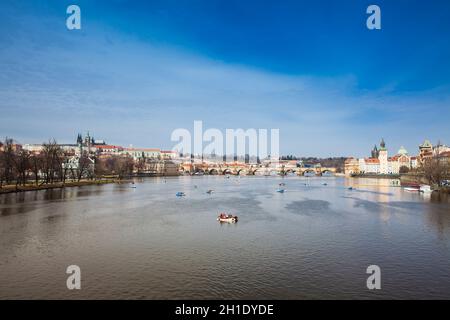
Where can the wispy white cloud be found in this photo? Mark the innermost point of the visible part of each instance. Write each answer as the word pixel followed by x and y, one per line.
pixel 55 82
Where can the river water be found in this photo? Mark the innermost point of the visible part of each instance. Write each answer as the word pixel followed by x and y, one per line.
pixel 314 241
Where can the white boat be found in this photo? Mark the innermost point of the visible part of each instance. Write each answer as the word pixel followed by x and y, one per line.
pixel 412 189
pixel 425 189
pixel 227 218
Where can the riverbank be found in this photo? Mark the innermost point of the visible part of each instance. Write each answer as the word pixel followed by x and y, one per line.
pixel 416 180
pixel 376 176
pixel 58 185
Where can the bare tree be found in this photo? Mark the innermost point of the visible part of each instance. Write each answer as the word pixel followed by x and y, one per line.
pixel 404 169
pixel 52 160
pixel 7 161
pixel 36 165
pixel 2 167
pixel 124 166
pixel 140 164
pixel 22 166
pixel 435 170
pixel 84 164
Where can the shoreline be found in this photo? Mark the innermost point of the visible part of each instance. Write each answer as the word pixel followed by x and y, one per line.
pixel 376 176
pixel 58 185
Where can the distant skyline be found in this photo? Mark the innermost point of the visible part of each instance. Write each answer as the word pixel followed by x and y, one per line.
pixel 137 71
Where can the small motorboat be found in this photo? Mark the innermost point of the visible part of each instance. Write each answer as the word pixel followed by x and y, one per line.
pixel 325 184
pixel 281 184
pixel 180 194
pixel 229 218
pixel 280 190
pixel 210 191
pixel 425 189
pixel 351 188
pixel 412 189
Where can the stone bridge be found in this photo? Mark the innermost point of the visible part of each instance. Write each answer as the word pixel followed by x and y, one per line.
pixel 243 169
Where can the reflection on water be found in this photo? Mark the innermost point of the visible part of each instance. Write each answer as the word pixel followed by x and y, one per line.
pixel 313 241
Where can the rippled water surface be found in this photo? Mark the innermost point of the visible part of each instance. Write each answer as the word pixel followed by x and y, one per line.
pixel 313 241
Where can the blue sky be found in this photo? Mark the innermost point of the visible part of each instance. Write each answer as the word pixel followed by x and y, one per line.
pixel 136 71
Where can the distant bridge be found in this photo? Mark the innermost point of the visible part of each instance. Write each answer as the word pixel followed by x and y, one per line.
pixel 243 169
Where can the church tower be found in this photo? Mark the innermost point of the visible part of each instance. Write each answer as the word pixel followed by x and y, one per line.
pixel 375 152
pixel 80 144
pixel 383 158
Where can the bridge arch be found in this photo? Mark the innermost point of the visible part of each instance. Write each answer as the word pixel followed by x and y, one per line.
pixel 290 172
pixel 273 172
pixel 226 171
pixel 258 172
pixel 213 172
pixel 242 172
pixel 308 172
pixel 327 173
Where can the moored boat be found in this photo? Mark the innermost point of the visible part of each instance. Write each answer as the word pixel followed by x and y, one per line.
pixel 425 189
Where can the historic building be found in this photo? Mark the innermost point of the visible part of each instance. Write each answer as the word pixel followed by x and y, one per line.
pixel 380 162
pixel 351 166
pixel 138 153
pixel 425 151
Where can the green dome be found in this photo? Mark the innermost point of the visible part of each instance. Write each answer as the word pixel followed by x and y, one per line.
pixel 402 151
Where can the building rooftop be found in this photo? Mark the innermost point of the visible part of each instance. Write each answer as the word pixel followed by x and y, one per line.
pixel 372 160
pixel 107 146
pixel 402 151
pixel 426 144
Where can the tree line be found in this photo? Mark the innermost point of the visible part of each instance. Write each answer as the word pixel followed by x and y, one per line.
pixel 52 165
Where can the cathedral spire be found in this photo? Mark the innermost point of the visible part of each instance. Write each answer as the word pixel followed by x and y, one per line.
pixel 375 152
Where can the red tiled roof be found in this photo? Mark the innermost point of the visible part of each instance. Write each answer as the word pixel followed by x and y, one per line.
pixel 372 160
pixel 141 149
pixel 108 147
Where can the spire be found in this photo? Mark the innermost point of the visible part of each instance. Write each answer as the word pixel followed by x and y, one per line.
pixel 382 145
pixel 375 152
